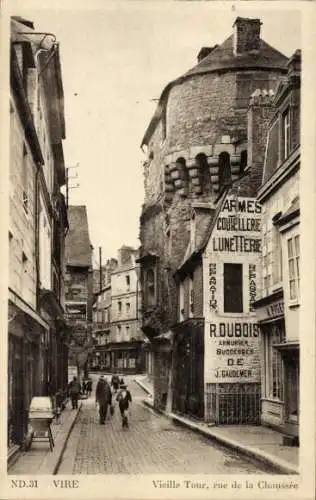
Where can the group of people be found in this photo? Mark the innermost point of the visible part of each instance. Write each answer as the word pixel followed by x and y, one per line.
pixel 105 393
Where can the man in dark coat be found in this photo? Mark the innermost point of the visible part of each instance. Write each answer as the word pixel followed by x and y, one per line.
pixel 74 391
pixel 103 397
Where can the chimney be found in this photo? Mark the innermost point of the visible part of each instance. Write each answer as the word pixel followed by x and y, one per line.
pixel 204 52
pixel 246 36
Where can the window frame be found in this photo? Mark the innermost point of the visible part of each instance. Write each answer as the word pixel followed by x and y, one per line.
pixel 286 132
pixel 233 286
pixel 293 257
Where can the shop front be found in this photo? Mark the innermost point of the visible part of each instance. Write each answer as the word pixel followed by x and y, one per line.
pixel 124 357
pixel 280 368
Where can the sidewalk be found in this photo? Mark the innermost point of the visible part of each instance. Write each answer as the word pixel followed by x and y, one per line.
pixel 39 459
pixel 257 442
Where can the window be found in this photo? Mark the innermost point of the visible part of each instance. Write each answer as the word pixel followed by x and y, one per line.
pixel 275 365
pixel 225 175
pixel 119 330
pixel 181 301
pixel 25 199
pixel 128 281
pixel 191 296
pixel 204 173
pixel 233 288
pixel 293 248
pixel 128 307
pixel 119 306
pixel 127 332
pixel 276 256
pixel 150 287
pixel 286 139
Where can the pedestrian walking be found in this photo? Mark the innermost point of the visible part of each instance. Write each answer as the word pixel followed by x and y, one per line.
pixel 115 382
pixel 103 398
pixel 74 391
pixel 124 399
pixel 89 386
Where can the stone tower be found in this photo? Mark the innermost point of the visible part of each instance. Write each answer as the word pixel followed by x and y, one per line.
pixel 197 146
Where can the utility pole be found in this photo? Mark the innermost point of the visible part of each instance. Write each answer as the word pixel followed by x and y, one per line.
pixel 100 260
pixel 68 178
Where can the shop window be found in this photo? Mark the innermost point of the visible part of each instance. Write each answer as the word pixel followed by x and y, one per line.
pixel 275 363
pixel 150 287
pixel 233 288
pixel 293 248
pixel 204 173
pixel 286 134
pixel 225 175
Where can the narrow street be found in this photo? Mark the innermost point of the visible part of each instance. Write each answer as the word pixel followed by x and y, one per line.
pixel 152 444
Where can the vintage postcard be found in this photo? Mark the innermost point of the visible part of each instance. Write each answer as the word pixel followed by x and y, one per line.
pixel 158 290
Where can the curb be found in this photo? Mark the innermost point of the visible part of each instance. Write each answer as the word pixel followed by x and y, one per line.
pixel 13 456
pixel 143 386
pixel 52 461
pixel 271 461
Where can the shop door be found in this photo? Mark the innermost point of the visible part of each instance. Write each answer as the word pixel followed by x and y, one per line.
pixel 291 365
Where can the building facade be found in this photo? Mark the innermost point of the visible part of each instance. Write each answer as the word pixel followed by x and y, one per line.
pixel 279 304
pixel 79 287
pixel 37 331
pixel 125 347
pixel 101 332
pixel 193 163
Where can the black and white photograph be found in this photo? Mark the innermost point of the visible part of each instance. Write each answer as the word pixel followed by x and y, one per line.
pixel 155 246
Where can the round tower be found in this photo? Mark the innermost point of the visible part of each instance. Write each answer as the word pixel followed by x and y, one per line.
pixel 196 146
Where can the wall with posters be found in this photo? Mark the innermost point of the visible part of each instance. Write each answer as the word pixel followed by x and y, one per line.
pixel 232 336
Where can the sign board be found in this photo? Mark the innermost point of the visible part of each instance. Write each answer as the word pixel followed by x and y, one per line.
pixel 232 351
pixel 76 311
pixel 271 311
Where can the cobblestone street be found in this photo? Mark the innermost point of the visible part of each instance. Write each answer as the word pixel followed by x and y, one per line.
pixel 152 444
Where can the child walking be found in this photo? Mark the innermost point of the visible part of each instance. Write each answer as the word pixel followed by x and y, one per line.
pixel 124 398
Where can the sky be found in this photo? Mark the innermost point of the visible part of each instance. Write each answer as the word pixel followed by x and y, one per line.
pixel 116 59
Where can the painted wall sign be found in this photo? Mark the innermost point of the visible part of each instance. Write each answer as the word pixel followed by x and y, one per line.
pixel 238 227
pixel 232 351
pixel 252 286
pixel 212 286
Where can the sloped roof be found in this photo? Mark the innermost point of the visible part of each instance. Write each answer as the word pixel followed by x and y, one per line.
pixel 223 58
pixel 78 251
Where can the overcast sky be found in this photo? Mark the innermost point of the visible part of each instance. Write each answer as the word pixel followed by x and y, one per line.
pixel 116 58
